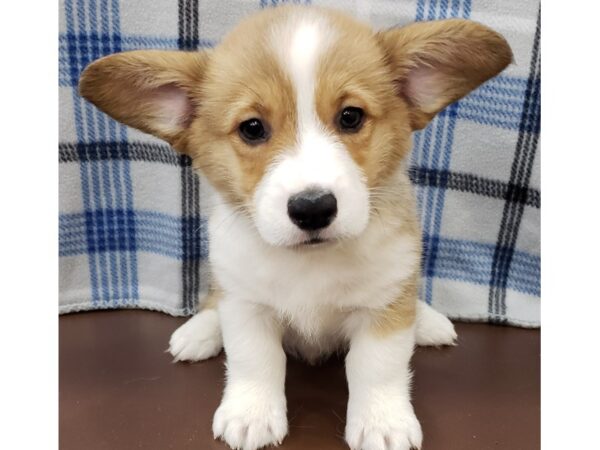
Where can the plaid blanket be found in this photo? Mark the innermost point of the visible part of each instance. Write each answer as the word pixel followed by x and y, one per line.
pixel 132 230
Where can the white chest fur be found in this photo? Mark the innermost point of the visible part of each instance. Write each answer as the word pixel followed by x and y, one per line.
pixel 316 292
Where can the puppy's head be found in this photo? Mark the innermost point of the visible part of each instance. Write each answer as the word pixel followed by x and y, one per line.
pixel 299 113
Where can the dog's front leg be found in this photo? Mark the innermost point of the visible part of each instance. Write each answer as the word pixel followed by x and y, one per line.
pixel 252 413
pixel 380 415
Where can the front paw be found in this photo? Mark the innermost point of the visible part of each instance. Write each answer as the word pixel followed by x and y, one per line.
pixel 197 339
pixel 383 425
pixel 248 421
pixel 433 328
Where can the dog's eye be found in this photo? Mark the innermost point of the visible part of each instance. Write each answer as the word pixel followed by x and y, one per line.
pixel 253 132
pixel 351 119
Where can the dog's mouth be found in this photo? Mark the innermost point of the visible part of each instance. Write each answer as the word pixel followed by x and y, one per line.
pixel 314 241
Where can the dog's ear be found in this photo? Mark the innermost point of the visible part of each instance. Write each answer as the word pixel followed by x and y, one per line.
pixel 436 63
pixel 148 89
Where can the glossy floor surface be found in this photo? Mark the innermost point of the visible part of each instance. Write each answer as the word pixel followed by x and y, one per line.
pixel 120 391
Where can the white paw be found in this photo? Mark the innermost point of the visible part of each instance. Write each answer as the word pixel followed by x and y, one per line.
pixel 433 328
pixel 197 339
pixel 383 427
pixel 249 422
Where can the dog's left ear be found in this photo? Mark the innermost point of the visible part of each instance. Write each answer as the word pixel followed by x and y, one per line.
pixel 436 63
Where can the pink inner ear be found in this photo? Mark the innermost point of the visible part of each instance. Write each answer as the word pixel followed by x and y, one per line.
pixel 174 109
pixel 423 88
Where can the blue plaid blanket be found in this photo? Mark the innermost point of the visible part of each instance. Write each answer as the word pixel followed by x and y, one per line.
pixel 132 231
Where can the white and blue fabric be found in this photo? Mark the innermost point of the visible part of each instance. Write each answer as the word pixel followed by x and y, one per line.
pixel 132 226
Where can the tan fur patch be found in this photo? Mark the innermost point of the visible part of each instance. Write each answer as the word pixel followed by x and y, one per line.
pixel 399 314
pixel 244 81
pixel 354 73
pixel 393 204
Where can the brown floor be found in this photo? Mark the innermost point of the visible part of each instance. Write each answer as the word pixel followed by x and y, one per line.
pixel 119 390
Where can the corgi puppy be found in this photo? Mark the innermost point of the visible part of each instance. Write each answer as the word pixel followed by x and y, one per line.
pixel 301 121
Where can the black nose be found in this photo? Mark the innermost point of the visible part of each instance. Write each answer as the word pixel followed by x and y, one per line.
pixel 312 209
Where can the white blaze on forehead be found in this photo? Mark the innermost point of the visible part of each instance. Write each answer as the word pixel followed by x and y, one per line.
pixel 304 46
pixel 304 53
pixel 300 43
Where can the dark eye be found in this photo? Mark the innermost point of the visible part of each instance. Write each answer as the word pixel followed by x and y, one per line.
pixel 253 131
pixel 351 119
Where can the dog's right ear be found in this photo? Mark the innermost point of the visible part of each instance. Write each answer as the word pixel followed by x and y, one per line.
pixel 151 90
